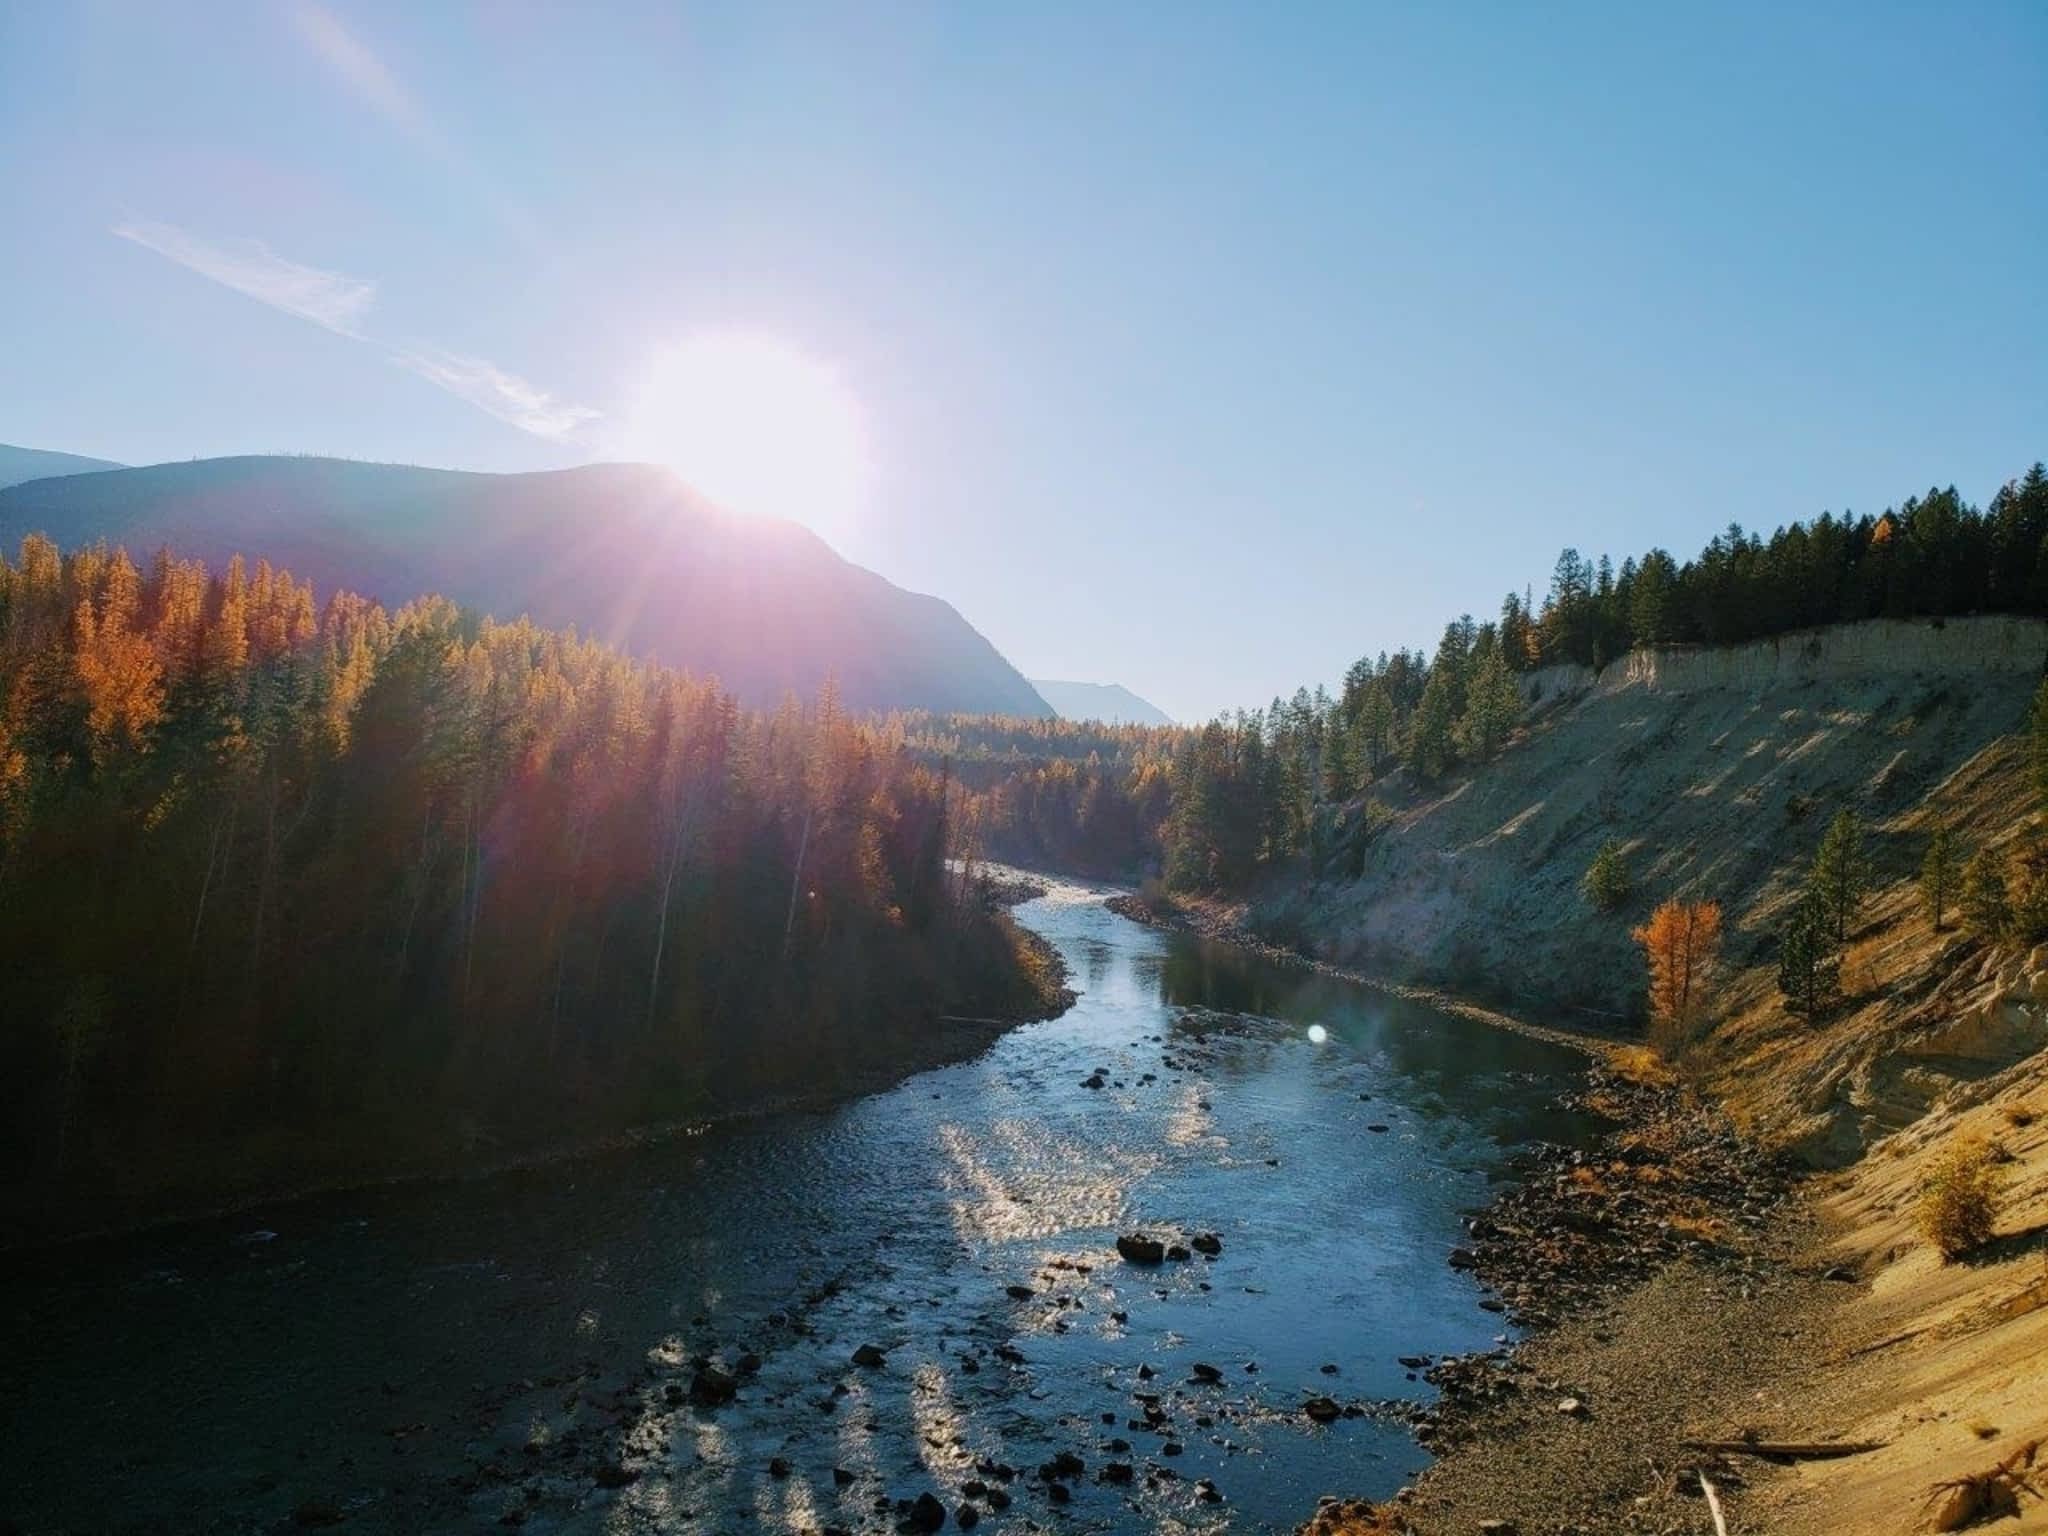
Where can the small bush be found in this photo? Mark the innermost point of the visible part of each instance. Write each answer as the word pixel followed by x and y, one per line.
pixel 1959 1201
pixel 1607 883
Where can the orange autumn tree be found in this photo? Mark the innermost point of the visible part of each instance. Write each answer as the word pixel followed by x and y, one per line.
pixel 1680 942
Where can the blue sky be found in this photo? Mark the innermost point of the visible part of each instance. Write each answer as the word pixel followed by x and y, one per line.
pixel 1198 348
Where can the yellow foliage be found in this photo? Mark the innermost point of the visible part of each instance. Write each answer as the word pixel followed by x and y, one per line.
pixel 1959 1200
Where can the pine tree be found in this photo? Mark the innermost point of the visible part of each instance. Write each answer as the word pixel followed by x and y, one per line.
pixel 1492 705
pixel 1841 874
pixel 1431 735
pixel 1809 962
pixel 1987 912
pixel 1938 874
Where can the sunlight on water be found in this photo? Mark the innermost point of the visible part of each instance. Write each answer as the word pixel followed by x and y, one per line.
pixel 557 1307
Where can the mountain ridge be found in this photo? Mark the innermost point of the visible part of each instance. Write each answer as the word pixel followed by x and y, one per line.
pixel 1110 703
pixel 625 552
pixel 19 464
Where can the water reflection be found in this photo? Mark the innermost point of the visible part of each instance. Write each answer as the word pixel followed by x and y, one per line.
pixel 556 1309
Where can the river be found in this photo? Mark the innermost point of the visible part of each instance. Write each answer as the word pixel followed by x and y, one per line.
pixel 503 1351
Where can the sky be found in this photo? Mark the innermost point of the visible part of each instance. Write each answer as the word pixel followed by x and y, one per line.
pixel 1199 348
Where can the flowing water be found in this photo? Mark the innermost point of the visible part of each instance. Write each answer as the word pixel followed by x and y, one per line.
pixel 453 1356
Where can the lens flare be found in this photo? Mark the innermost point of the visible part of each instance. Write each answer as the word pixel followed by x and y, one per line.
pixel 1317 1034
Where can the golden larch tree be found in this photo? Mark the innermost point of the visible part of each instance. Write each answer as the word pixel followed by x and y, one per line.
pixel 1680 941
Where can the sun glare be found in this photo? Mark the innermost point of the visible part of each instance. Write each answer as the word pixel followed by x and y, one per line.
pixel 757 426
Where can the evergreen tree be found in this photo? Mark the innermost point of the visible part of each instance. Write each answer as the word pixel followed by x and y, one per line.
pixel 1432 733
pixel 1809 960
pixel 1841 874
pixel 1938 874
pixel 1492 704
pixel 1987 911
pixel 1607 883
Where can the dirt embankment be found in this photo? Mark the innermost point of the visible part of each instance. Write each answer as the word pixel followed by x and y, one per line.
pixel 1832 1321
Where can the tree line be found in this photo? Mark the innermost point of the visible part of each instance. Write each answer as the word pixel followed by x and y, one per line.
pixel 1295 779
pixel 288 883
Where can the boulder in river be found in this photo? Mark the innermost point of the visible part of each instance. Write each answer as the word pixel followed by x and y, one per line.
pixel 712 1388
pixel 872 1358
pixel 1206 1242
pixel 1141 1248
pixel 927 1513
pixel 1323 1410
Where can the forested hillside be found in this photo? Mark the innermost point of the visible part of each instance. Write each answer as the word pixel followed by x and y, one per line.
pixel 295 889
pixel 1076 796
pixel 624 552
pixel 1263 787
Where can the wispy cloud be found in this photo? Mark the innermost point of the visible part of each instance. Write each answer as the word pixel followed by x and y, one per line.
pixel 504 395
pixel 360 68
pixel 342 304
pixel 367 77
pixel 330 299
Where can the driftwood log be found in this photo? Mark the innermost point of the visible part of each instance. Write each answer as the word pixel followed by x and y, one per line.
pixel 1714 1506
pixel 1784 1450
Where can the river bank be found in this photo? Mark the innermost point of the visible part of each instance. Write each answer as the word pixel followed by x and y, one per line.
pixel 1660 1281
pixel 887 1058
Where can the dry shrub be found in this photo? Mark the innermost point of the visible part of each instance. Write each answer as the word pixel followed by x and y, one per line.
pixel 1959 1200
pixel 1639 1064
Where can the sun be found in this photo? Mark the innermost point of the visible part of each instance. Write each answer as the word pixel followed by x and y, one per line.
pixel 758 426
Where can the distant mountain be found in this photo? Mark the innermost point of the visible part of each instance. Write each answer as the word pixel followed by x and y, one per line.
pixel 625 552
pixel 1112 703
pixel 19 464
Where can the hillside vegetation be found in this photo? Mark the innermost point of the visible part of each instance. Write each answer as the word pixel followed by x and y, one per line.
pixel 1713 774
pixel 295 891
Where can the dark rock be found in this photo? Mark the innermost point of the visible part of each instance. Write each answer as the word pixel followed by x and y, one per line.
pixel 1206 1372
pixel 711 1387
pixel 749 1363
pixel 1464 1258
pixel 1059 1493
pixel 872 1358
pixel 927 1513
pixel 1116 1472
pixel 1329 1368
pixel 1178 1254
pixel 315 1513
pixel 1377 1130
pixel 967 1517
pixel 1206 1242
pixel 674 1392
pixel 998 1499
pixel 778 1467
pixel 611 1474
pixel 1322 1409
pixel 841 1478
pixel 1414 1362
pixel 1019 1292
pixel 1140 1248
pixel 1171 1448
